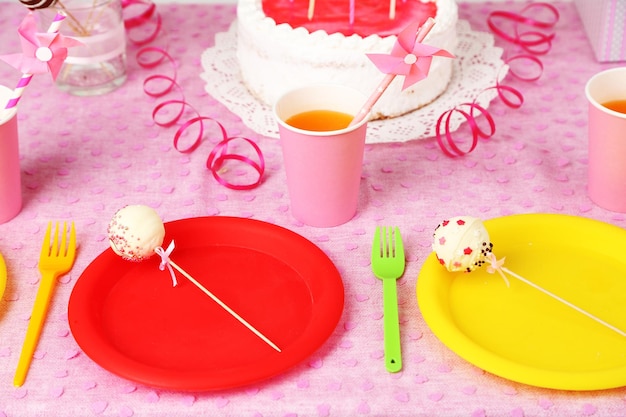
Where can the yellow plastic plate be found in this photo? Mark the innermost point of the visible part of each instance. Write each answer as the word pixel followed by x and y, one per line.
pixel 518 332
pixel 3 276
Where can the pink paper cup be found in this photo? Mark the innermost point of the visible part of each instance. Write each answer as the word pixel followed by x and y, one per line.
pixel 10 180
pixel 323 169
pixel 607 140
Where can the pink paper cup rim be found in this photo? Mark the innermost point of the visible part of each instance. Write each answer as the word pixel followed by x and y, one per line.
pixel 602 87
pixel 281 114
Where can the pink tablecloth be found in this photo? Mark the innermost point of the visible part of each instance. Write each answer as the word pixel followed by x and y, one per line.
pixel 84 158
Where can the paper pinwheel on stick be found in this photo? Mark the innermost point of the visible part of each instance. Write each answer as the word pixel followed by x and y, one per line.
pixel 41 53
pixel 409 57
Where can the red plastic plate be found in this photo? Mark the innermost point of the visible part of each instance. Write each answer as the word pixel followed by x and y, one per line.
pixel 128 318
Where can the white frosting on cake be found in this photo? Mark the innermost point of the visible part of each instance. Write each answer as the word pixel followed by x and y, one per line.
pixel 277 58
pixel 461 243
pixel 135 231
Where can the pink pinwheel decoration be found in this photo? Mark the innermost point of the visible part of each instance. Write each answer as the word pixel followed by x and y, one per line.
pixel 408 57
pixel 41 52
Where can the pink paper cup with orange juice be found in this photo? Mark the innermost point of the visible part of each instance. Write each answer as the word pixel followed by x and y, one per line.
pixel 323 155
pixel 606 94
pixel 10 180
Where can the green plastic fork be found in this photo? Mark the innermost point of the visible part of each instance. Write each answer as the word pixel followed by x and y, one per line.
pixel 56 258
pixel 388 265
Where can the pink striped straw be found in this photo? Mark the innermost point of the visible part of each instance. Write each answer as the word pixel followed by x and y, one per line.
pixel 367 107
pixel 25 80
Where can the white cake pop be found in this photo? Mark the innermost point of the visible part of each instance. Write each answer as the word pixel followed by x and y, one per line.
pixel 461 243
pixel 135 232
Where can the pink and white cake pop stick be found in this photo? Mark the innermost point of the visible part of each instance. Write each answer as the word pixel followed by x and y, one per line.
pixel 462 244
pixel 136 232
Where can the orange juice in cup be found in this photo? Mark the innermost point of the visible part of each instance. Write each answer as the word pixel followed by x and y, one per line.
pixel 323 155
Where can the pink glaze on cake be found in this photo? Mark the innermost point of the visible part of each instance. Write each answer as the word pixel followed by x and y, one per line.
pixel 371 17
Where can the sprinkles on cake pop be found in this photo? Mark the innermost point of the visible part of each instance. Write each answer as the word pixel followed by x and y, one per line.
pixel 461 243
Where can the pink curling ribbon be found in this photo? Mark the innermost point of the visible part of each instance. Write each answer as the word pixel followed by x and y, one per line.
pixel 533 42
pixel 141 20
pixel 165 261
pixel 219 155
pixel 142 17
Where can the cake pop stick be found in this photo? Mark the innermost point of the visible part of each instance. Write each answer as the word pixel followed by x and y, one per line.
pixel 462 244
pixel 136 233
pixel 392 9
pixel 311 11
pixel 218 301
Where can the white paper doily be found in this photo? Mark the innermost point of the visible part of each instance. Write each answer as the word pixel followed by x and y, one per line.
pixel 477 66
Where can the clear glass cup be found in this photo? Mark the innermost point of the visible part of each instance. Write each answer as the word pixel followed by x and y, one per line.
pixel 99 65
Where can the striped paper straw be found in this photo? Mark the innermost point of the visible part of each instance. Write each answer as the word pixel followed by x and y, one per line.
pixel 25 80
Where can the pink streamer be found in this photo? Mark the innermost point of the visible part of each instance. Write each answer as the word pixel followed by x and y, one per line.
pixel 143 20
pixel 534 43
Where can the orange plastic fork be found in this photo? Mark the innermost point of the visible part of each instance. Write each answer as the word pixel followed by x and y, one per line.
pixel 55 260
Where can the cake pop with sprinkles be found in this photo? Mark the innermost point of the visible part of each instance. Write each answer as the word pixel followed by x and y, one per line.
pixel 461 243
pixel 135 232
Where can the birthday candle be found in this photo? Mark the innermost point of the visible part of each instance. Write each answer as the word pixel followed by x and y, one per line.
pixel 352 7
